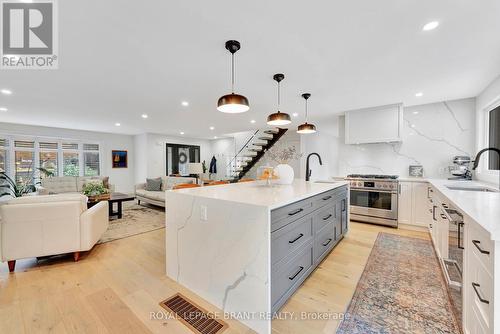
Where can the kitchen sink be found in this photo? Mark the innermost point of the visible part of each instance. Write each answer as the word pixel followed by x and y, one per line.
pixel 473 188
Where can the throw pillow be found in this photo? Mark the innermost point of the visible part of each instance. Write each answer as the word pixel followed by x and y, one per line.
pixel 105 182
pixel 153 184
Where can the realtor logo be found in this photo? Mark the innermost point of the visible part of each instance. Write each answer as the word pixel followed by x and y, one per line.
pixel 29 36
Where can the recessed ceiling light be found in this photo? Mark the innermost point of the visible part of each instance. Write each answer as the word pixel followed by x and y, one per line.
pixel 182 132
pixel 185 103
pixel 3 109
pixel 252 121
pixel 430 26
pixel 419 94
pixel 413 125
pixel 295 114
pixel 117 124
pixel 215 137
pixel 212 128
pixel 415 113
pixel 144 116
pixel 6 91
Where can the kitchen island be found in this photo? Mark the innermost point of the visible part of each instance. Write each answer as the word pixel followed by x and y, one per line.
pixel 247 247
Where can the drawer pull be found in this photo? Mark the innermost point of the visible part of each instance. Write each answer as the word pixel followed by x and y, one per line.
pixel 326 198
pixel 481 299
pixel 326 243
pixel 292 241
pixel 291 278
pixel 443 216
pixel 293 213
pixel 476 243
pixel 327 217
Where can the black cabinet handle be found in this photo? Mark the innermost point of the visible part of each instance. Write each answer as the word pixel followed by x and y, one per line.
pixel 443 216
pixel 291 278
pixel 326 244
pixel 343 205
pixel 476 243
pixel 326 198
pixel 292 241
pixel 325 218
pixel 295 212
pixel 459 227
pixel 481 299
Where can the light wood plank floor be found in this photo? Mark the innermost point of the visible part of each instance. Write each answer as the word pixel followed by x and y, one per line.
pixel 115 287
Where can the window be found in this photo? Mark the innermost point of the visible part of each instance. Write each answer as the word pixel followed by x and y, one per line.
pixel 24 165
pixel 71 165
pixel 48 159
pixel 4 155
pixel 494 138
pixel 91 159
pixel 178 157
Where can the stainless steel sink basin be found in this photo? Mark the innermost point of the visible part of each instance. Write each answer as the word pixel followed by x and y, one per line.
pixel 473 188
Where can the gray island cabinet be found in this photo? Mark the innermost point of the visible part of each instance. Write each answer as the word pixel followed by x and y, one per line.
pixel 247 247
pixel 302 235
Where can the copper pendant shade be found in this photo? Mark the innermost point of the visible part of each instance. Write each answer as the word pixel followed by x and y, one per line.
pixel 233 103
pixel 279 118
pixel 306 128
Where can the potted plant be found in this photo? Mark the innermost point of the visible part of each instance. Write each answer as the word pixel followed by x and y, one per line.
pixel 9 187
pixel 95 191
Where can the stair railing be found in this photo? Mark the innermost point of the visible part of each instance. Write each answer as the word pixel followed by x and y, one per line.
pixel 232 166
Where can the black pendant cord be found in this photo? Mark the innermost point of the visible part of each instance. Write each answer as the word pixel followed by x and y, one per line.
pixel 279 97
pixel 306 110
pixel 232 73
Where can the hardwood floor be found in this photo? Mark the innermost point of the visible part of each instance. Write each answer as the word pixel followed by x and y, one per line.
pixel 115 288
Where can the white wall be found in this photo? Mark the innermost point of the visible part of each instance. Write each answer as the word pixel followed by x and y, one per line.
pixel 122 178
pixel 327 146
pixel 487 100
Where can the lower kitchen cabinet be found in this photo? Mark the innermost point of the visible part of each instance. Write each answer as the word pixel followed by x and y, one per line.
pixel 303 234
pixel 412 203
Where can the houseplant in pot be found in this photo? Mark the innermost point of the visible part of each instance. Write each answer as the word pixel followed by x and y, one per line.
pixel 282 155
pixel 95 191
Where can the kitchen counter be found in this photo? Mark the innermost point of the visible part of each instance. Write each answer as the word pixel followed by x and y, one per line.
pixel 219 240
pixel 482 207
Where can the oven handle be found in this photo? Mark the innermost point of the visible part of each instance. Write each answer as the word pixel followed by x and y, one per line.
pixel 375 190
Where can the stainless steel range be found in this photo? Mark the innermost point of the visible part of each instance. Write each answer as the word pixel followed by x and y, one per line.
pixel 374 198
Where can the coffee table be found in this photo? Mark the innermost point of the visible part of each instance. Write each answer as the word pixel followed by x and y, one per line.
pixel 117 198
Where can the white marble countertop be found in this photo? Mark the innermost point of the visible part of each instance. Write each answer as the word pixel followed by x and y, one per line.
pixel 255 193
pixel 482 207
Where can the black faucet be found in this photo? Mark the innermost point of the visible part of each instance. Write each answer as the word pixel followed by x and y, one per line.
pixel 308 171
pixel 478 156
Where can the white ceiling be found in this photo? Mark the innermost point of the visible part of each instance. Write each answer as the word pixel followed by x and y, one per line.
pixel 120 59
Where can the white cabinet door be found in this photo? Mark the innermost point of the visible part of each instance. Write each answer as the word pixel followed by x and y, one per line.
pixel 421 215
pixel 405 203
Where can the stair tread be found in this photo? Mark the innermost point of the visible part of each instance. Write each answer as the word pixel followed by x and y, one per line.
pixel 266 138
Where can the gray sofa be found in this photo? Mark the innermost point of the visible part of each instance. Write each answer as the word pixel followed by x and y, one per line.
pixel 158 197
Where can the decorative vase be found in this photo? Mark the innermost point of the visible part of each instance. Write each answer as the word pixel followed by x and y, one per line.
pixel 285 174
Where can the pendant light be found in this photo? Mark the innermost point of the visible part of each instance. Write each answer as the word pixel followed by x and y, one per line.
pixel 278 118
pixel 232 103
pixel 306 128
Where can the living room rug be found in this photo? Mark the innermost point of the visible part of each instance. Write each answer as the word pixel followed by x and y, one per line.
pixel 136 219
pixel 401 290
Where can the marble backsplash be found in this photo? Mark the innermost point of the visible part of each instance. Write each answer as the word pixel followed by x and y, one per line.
pixel 432 135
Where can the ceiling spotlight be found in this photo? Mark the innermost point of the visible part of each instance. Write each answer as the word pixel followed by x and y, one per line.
pixel 252 121
pixel 215 137
pixel 430 26
pixel 306 128
pixel 185 103
pixel 144 116
pixel 117 124
pixel 295 114
pixel 3 109
pixel 419 94
pixel 6 91
pixel 212 128
pixel 415 113
pixel 278 118
pixel 232 103
pixel 182 132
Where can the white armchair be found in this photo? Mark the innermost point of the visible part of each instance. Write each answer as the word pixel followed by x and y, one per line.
pixel 35 226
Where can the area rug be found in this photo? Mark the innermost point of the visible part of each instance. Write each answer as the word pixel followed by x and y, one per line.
pixel 136 219
pixel 401 290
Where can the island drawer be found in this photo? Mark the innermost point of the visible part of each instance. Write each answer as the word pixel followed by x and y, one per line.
pixel 322 217
pixel 289 277
pixel 290 238
pixel 329 197
pixel 482 246
pixel 287 214
pixel 324 241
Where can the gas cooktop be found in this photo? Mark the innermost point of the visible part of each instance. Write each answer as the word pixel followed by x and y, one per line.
pixel 372 176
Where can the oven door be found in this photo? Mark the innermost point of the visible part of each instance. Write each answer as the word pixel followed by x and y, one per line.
pixel 376 203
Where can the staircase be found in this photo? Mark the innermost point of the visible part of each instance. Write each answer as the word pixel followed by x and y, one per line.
pixel 252 151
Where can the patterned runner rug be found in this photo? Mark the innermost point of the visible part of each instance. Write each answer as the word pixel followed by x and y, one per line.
pixel 401 290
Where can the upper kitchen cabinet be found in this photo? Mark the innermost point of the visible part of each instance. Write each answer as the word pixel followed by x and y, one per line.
pixel 374 125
